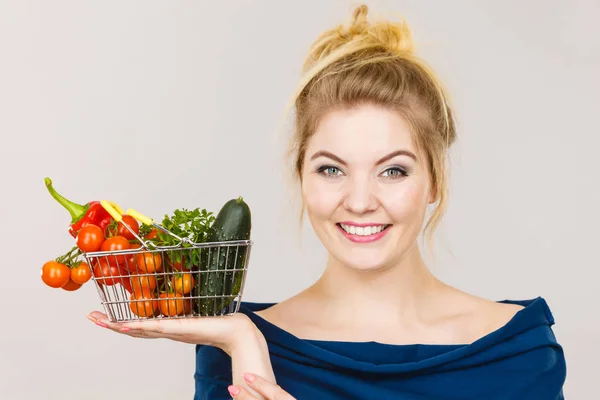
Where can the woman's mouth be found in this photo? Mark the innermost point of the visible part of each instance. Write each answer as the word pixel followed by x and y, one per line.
pixel 363 233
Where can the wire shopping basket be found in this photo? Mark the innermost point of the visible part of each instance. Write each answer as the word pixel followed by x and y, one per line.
pixel 178 281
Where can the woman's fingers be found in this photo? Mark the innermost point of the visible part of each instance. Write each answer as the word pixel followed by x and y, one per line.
pixel 239 393
pixel 267 389
pixel 219 330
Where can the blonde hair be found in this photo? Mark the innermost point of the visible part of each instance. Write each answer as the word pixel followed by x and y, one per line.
pixel 374 63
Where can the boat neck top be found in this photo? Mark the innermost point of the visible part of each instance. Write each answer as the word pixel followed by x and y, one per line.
pixel 520 360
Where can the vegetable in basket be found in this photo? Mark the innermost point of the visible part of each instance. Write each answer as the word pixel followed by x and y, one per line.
pixel 67 271
pixel 233 222
pixel 81 215
pixel 192 224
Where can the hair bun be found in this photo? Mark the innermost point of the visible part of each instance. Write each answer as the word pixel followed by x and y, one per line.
pixel 393 36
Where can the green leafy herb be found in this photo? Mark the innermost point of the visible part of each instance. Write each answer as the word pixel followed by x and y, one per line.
pixel 195 225
pixel 145 230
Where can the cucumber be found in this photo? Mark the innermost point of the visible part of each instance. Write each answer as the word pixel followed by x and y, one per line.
pixel 233 222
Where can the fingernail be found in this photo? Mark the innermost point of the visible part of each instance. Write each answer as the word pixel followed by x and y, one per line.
pixel 249 377
pixel 233 391
pixel 125 329
pixel 102 324
pixel 91 318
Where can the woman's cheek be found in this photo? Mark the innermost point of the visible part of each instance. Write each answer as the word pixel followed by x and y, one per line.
pixel 403 201
pixel 321 198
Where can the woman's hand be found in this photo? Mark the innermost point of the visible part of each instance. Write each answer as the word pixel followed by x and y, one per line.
pixel 235 334
pixel 266 389
pixel 225 332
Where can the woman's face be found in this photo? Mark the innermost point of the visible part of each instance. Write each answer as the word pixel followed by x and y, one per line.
pixel 365 195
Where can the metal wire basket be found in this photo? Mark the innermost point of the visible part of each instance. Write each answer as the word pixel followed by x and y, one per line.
pixel 178 281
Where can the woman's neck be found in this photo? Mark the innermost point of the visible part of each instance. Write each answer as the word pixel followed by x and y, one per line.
pixel 402 292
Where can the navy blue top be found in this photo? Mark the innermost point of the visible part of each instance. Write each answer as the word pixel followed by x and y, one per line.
pixel 521 360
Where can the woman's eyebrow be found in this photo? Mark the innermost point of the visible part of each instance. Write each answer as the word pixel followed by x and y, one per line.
pixel 325 153
pixel 396 153
pixel 401 152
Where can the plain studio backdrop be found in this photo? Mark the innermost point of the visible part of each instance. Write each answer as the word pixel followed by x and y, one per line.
pixel 159 105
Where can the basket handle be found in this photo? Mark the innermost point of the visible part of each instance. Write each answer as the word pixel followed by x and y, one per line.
pixel 117 213
pixel 113 209
pixel 140 217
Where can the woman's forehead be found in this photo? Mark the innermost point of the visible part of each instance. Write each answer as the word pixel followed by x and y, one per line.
pixel 366 129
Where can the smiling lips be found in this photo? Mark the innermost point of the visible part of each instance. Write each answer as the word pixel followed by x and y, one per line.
pixel 362 233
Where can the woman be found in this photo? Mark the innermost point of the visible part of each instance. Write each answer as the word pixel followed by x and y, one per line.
pixel 373 129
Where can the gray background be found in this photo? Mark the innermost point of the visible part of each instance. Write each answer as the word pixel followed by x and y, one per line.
pixel 159 105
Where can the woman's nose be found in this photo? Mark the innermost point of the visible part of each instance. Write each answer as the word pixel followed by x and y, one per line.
pixel 360 197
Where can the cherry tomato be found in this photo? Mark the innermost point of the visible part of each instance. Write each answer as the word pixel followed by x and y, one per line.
pixel 149 262
pixel 81 273
pixel 105 273
pixel 71 286
pixel 126 283
pixel 90 238
pixel 179 266
pixel 148 307
pixel 115 243
pixel 133 224
pixel 183 283
pixel 140 283
pixel 171 306
pixel 55 274
pixel 152 234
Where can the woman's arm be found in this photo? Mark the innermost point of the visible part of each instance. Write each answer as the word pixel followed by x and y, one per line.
pixel 236 335
pixel 251 354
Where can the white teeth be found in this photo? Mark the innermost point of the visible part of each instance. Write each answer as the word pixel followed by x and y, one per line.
pixel 362 231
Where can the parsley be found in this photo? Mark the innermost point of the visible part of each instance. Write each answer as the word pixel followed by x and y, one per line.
pixel 196 225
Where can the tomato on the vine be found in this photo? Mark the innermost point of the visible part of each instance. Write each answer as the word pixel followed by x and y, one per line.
pixel 132 223
pixel 90 238
pixel 81 273
pixel 105 273
pixel 152 234
pixel 126 283
pixel 173 304
pixel 143 304
pixel 115 243
pixel 183 283
pixel 141 283
pixel 55 274
pixel 149 262
pixel 71 286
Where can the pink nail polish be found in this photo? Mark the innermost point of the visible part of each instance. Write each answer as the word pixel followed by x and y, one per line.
pixel 125 329
pixel 233 391
pixel 249 377
pixel 100 323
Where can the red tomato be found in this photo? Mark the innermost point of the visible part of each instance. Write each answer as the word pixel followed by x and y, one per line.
pixel 55 274
pixel 149 262
pixel 81 273
pixel 126 282
pixel 141 283
pixel 115 243
pixel 152 234
pixel 71 286
pixel 183 283
pixel 105 273
pixel 132 223
pixel 146 306
pixel 171 306
pixel 90 238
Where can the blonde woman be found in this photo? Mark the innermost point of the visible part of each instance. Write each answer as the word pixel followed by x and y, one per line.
pixel 373 128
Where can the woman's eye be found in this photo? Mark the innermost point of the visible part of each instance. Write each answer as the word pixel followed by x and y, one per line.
pixel 394 172
pixel 328 170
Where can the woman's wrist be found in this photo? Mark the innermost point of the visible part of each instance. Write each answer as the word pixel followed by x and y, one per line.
pixel 251 354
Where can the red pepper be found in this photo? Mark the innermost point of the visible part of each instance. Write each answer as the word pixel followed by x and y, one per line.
pixel 81 215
